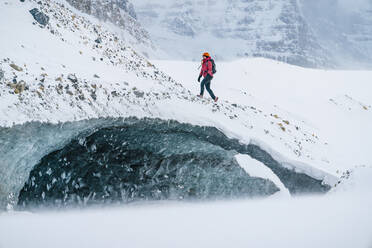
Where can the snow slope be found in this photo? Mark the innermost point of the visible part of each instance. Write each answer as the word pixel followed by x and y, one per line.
pixel 334 106
pixel 121 15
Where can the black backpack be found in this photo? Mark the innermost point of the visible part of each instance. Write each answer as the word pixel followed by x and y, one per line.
pixel 213 66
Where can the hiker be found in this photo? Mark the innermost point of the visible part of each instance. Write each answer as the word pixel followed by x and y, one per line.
pixel 207 71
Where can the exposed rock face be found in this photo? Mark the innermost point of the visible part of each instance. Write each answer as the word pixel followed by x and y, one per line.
pixel 296 45
pixel 16 67
pixel 118 12
pixel 40 17
pixel 230 29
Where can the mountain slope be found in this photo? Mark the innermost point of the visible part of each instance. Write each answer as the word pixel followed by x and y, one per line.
pixel 119 12
pixel 230 29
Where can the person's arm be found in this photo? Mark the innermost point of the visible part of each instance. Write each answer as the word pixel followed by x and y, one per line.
pixel 201 69
pixel 201 72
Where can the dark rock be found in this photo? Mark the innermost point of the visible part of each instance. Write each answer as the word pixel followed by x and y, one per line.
pixel 39 16
pixel 138 93
pixel 16 67
pixel 94 96
pixel 98 40
pixel 18 87
pixel 59 88
pixel 72 78
pixel 1 74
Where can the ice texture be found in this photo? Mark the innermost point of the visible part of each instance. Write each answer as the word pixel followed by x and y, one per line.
pixel 144 161
pixel 171 160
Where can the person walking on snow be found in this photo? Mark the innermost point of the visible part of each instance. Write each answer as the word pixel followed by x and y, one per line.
pixel 207 73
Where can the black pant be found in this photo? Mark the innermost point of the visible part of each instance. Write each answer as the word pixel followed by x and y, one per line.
pixel 207 83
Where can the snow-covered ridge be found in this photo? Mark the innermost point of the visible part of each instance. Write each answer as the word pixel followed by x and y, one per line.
pixel 70 59
pixel 76 69
pixel 332 109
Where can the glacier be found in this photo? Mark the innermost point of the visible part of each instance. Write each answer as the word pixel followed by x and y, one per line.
pixel 125 160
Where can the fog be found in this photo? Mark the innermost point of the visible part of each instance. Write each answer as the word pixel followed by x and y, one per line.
pixel 334 221
pixel 341 218
pixel 350 6
pixel 344 28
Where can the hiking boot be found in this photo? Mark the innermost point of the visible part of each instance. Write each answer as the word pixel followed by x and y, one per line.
pixel 216 99
pixel 201 96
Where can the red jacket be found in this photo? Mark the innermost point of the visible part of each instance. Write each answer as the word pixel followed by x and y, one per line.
pixel 206 67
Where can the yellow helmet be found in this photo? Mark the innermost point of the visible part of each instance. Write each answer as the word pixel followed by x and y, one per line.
pixel 206 54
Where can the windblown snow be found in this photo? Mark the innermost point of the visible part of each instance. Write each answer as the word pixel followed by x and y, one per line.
pixel 77 68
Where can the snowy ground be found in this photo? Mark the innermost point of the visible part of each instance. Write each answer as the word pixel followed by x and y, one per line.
pixel 336 105
pixel 339 220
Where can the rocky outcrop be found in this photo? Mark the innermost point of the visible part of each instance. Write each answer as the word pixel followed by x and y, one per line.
pixel 39 16
pixel 118 12
pixel 16 67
